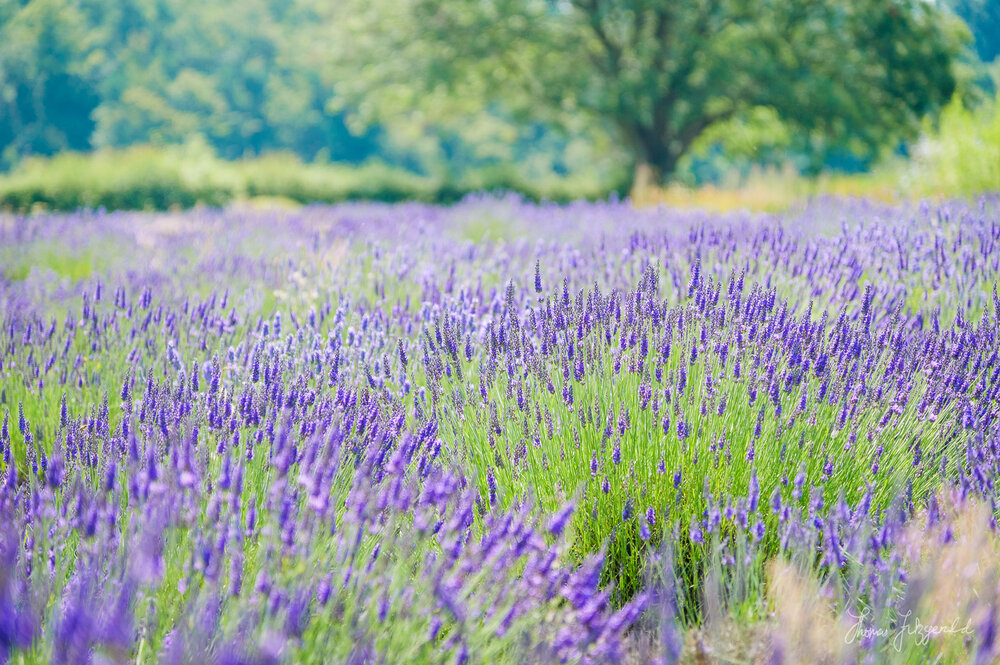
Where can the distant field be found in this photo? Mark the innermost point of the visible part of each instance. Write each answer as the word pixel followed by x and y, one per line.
pixel 501 432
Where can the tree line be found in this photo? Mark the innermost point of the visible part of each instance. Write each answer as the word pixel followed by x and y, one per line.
pixel 452 84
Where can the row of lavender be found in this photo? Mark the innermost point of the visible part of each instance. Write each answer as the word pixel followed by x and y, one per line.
pixel 485 433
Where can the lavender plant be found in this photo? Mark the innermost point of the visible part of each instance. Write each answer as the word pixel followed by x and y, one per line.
pixel 370 434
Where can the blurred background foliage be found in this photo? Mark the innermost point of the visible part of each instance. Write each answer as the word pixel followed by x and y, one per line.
pixel 155 103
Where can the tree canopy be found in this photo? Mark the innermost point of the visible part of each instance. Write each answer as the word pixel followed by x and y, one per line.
pixel 460 83
pixel 660 73
pixel 76 74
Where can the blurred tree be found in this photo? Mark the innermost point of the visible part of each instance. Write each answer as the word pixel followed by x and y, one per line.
pixel 656 73
pixel 528 86
pixel 233 71
pixel 77 74
pixel 46 91
pixel 983 19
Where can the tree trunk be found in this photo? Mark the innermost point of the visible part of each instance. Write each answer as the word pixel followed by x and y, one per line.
pixel 651 173
pixel 644 179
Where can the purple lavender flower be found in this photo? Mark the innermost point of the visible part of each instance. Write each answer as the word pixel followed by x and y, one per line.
pixel 558 522
pixel 754 495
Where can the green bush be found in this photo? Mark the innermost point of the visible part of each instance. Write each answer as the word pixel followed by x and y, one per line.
pixel 139 178
pixel 152 178
pixel 283 175
pixel 961 156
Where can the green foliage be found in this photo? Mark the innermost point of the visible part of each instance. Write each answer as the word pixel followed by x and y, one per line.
pixel 464 94
pixel 46 97
pixel 149 178
pixel 247 77
pixel 232 71
pixel 983 19
pixel 961 156
pixel 285 176
pixel 136 179
pixel 656 74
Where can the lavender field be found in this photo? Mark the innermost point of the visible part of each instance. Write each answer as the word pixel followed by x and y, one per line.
pixel 501 432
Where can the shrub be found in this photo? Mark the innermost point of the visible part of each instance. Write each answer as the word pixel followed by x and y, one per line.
pixel 160 178
pixel 961 157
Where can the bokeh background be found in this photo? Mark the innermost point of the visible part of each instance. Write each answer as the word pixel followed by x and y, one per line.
pixel 720 103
